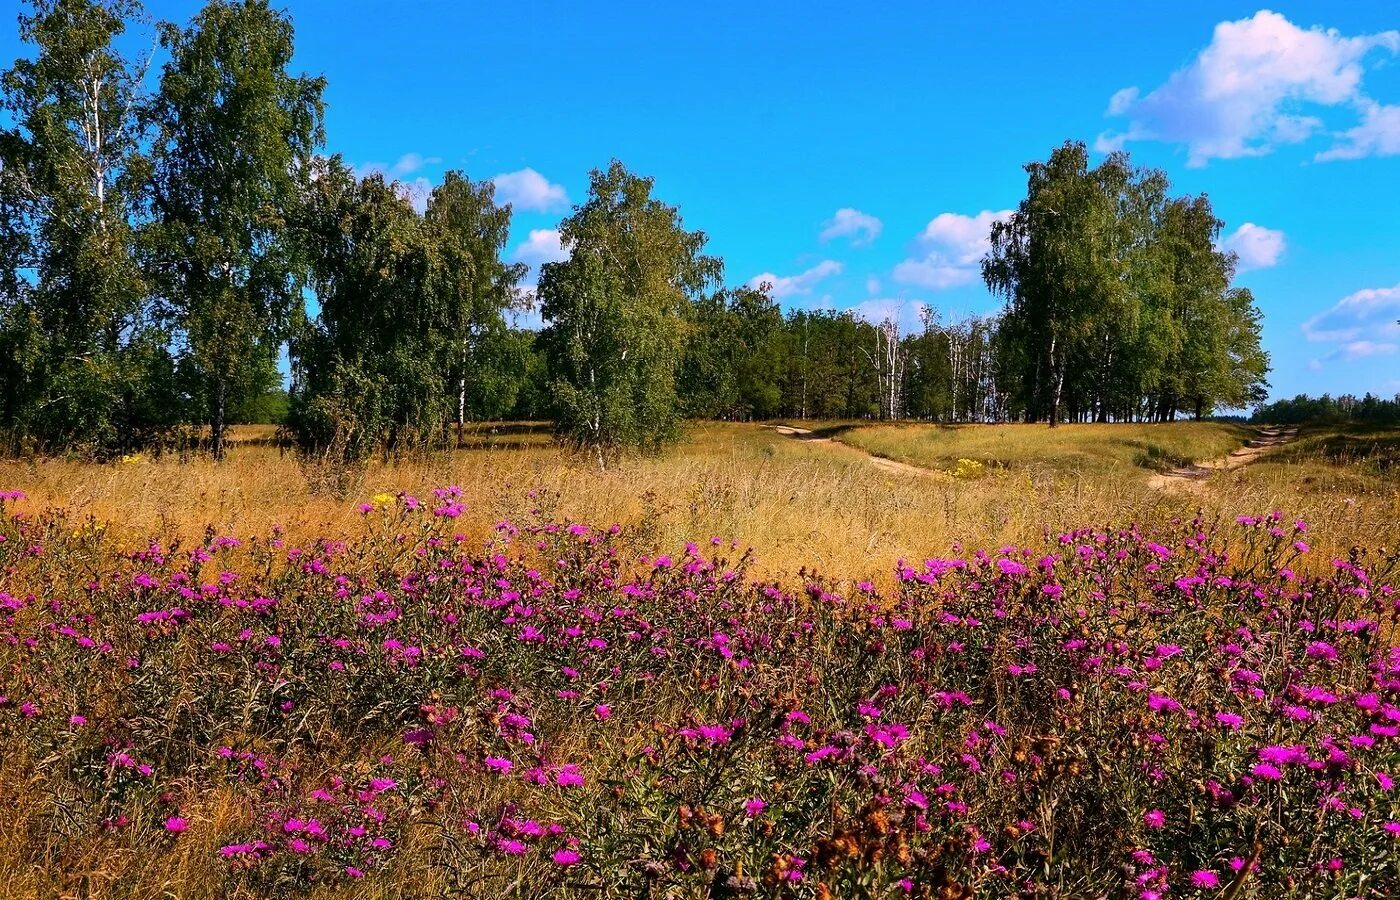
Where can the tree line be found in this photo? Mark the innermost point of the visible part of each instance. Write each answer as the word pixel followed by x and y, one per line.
pixel 1328 410
pixel 169 236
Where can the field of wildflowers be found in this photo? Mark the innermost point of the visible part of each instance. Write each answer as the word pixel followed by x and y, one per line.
pixel 1193 709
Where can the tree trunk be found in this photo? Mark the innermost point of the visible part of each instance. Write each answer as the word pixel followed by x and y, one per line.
pixel 217 418
pixel 461 409
pixel 462 393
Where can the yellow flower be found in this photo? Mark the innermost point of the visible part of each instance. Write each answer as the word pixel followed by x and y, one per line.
pixel 91 528
pixel 381 500
pixel 132 459
pixel 967 468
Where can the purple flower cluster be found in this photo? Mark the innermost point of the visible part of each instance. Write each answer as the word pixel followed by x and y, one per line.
pixel 1191 710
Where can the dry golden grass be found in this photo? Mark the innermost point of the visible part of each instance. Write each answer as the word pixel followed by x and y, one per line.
pixel 799 504
pixel 1066 450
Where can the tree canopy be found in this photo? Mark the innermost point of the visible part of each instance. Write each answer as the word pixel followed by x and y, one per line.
pixel 617 310
pixel 177 253
pixel 1118 297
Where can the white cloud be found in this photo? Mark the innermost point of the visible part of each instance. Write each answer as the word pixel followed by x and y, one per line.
pixel 949 250
pixel 1357 318
pixel 1353 351
pixel 542 246
pixel 1241 95
pixel 933 275
pixel 861 228
pixel 1256 246
pixel 908 313
pixel 1377 135
pixel 404 165
pixel 410 163
pixel 1363 349
pixel 786 286
pixel 528 190
pixel 872 284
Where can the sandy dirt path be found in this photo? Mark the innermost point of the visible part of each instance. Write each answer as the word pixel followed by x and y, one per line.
pixel 879 462
pixel 1195 477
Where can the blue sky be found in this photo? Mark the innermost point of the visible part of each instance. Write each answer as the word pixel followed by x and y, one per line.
pixel 764 121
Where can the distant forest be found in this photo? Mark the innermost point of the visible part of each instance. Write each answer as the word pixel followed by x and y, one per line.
pixel 167 235
pixel 1329 410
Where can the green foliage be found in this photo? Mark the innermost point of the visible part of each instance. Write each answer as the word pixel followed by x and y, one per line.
pixel 617 310
pixel 159 254
pixel 269 407
pixel 473 288
pixel 728 368
pixel 85 367
pixel 409 334
pixel 1329 410
pixel 235 133
pixel 1118 300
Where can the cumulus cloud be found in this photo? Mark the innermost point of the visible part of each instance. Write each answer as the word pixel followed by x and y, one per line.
pixel 404 165
pixel 1358 318
pixel 1355 350
pixel 1256 246
pixel 410 163
pixel 934 275
pixel 1377 135
pixel 861 228
pixel 528 190
pixel 908 313
pixel 1244 94
pixel 947 253
pixel 784 287
pixel 543 245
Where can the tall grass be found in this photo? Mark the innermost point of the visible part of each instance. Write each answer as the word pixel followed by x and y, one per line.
pixel 799 505
pixel 230 681
pixel 1094 450
pixel 408 708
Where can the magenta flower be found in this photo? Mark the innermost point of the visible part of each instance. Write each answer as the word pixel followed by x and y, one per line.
pixel 1205 879
pixel 889 736
pixel 1154 818
pixel 1230 720
pixel 568 776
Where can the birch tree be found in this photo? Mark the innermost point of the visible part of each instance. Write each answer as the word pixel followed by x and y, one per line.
pixel 235 136
pixel 82 353
pixel 615 313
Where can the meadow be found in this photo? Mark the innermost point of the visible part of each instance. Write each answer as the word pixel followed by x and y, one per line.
pixel 800 506
pixel 757 665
